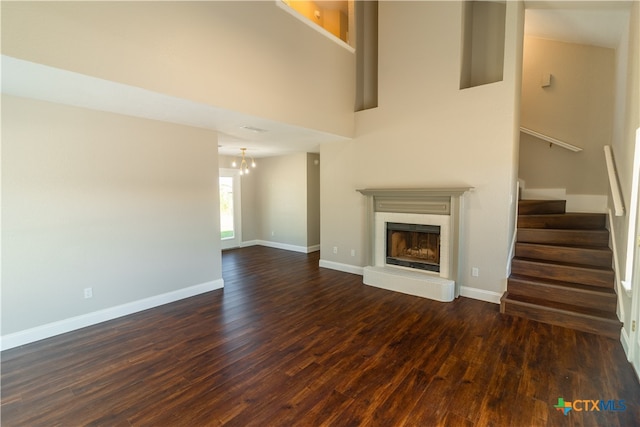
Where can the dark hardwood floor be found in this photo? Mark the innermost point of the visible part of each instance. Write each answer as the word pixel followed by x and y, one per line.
pixel 288 344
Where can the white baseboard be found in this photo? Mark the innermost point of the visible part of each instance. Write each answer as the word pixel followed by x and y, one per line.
pixel 346 268
pixel 624 340
pixel 512 249
pixel 480 294
pixel 620 289
pixel 67 325
pixel 277 245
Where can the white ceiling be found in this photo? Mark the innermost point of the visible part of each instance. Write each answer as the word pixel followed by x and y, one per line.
pixel 597 23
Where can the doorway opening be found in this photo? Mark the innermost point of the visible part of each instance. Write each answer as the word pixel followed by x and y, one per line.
pixel 230 209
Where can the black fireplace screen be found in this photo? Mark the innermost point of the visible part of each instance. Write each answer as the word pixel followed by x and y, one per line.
pixel 414 246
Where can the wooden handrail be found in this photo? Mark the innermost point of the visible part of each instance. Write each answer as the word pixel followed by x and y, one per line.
pixel 613 181
pixel 551 140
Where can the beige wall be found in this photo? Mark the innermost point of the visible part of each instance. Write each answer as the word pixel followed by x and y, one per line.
pixel 246 56
pixel 428 133
pixel 250 207
pixel 282 195
pixel 313 199
pixel 577 108
pixel 126 206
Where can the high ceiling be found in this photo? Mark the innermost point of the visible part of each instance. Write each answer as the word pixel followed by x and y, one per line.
pixel 598 23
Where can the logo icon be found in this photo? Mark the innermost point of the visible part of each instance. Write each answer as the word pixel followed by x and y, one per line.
pixel 563 406
pixel 583 405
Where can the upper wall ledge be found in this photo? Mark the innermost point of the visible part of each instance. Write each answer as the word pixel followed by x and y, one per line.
pixel 415 192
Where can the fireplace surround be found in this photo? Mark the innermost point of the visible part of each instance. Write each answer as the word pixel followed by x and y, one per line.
pixel 426 209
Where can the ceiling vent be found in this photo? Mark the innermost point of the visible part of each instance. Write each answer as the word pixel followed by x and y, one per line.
pixel 253 129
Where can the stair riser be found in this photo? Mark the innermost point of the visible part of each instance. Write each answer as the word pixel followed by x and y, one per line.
pixel 529 207
pixel 597 238
pixel 592 257
pixel 596 300
pixel 590 277
pixel 566 221
pixel 567 320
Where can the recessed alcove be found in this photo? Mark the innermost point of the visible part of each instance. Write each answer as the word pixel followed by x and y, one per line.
pixel 483 38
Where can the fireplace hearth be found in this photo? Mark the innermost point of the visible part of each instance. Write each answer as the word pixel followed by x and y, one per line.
pixel 414 240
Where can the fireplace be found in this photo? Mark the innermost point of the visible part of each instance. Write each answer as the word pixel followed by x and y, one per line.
pixel 426 237
pixel 413 245
pixel 415 237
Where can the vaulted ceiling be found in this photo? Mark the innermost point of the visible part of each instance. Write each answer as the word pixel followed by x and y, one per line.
pixel 597 23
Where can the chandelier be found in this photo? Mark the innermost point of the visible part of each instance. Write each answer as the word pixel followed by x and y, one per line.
pixel 244 166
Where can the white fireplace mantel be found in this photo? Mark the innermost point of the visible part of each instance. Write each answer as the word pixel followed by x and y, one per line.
pixel 446 202
pixel 415 192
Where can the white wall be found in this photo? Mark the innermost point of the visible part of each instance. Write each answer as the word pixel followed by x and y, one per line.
pixel 246 56
pixel 428 133
pixel 126 206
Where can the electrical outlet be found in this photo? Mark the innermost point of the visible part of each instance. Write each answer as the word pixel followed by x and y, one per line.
pixel 88 292
pixel 353 252
pixel 335 249
pixel 475 272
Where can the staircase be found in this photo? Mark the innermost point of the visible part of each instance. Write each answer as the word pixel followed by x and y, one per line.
pixel 561 273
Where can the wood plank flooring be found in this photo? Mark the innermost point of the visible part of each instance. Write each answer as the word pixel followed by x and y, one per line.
pixel 286 343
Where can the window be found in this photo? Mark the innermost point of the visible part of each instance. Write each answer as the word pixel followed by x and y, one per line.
pixel 230 209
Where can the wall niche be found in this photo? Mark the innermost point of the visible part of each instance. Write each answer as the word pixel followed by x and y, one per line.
pixel 483 36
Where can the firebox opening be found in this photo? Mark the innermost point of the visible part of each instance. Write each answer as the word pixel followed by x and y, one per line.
pixel 414 246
